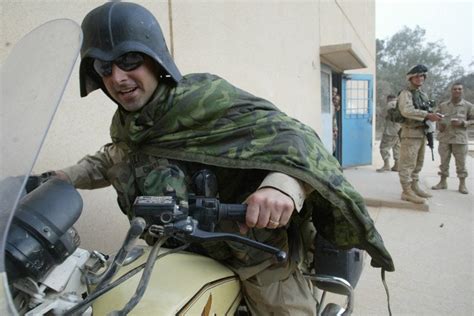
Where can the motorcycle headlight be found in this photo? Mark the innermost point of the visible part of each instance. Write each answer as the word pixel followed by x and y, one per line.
pixel 41 235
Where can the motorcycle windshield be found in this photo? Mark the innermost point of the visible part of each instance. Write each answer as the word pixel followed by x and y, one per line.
pixel 32 80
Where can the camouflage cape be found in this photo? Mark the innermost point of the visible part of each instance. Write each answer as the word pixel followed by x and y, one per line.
pixel 205 119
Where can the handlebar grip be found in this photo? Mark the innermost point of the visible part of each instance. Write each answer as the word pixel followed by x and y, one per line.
pixel 235 212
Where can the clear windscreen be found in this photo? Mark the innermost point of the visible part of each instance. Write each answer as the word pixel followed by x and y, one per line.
pixel 32 80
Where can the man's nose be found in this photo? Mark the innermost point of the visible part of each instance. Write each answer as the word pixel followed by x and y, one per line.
pixel 118 75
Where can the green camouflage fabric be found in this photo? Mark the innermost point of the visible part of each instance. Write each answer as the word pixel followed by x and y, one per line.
pixel 420 100
pixel 205 119
pixel 158 176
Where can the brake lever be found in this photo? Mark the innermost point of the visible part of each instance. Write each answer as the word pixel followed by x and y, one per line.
pixel 190 228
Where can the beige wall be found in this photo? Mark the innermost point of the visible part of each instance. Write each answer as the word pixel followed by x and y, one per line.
pixel 352 21
pixel 343 21
pixel 268 47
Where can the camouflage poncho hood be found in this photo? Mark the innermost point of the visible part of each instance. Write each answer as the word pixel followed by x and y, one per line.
pixel 205 119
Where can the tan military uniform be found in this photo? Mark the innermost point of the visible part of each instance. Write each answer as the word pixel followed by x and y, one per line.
pixel 390 138
pixel 452 139
pixel 413 140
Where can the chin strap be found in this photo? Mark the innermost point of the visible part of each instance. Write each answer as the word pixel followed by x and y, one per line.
pixel 386 291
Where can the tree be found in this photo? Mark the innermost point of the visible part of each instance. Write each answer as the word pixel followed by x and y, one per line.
pixel 468 86
pixel 406 48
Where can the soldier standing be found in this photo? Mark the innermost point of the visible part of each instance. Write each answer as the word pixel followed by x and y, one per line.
pixel 414 107
pixel 452 136
pixel 390 139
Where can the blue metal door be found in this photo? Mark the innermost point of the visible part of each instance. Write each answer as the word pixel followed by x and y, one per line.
pixel 357 101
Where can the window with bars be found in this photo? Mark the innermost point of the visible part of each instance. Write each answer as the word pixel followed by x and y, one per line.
pixel 357 98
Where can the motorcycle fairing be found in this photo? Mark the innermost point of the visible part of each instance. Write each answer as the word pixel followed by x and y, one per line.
pixel 32 80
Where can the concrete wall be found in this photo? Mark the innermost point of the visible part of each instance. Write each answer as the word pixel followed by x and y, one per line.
pixel 343 21
pixel 352 21
pixel 268 47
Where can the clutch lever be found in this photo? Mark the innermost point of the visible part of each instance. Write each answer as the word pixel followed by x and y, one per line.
pixel 193 234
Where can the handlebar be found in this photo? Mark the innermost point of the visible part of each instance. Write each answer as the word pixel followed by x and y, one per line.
pixel 161 210
pixel 235 212
pixel 195 220
pixel 210 211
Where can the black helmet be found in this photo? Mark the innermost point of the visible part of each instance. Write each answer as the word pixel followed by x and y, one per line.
pixel 417 70
pixel 116 28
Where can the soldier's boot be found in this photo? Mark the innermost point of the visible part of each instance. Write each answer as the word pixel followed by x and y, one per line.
pixel 442 185
pixel 395 166
pixel 418 191
pixel 462 186
pixel 386 166
pixel 410 196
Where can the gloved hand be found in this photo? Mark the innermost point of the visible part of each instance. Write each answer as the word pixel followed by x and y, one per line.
pixel 35 181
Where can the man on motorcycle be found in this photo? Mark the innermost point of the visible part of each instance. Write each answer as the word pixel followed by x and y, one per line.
pixel 167 127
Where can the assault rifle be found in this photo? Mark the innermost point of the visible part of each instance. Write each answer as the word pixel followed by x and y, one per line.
pixel 429 132
pixel 429 126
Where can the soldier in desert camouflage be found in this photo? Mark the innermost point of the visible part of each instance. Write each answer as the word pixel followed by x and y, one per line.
pixel 453 138
pixel 412 103
pixel 390 139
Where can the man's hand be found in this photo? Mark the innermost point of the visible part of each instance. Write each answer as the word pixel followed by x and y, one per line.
pixel 433 117
pixel 268 208
pixel 62 176
pixel 457 122
pixel 441 127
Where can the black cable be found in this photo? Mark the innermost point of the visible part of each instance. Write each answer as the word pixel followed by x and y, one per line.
pixel 137 226
pixel 386 291
pixel 88 301
pixel 146 275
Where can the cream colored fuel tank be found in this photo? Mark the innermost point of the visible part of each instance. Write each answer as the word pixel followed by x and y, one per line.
pixel 180 284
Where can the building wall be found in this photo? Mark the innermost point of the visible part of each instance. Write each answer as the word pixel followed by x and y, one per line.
pixel 350 21
pixel 267 47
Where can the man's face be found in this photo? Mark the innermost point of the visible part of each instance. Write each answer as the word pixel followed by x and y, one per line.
pixel 456 91
pixel 418 80
pixel 132 89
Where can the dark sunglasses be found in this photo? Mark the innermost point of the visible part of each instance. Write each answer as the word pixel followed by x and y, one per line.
pixel 126 62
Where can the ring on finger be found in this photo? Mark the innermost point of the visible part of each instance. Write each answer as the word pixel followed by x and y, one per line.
pixel 273 222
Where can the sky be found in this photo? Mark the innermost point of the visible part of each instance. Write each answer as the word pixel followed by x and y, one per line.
pixel 445 20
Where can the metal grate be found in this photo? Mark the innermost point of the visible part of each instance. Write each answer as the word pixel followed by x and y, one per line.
pixel 357 98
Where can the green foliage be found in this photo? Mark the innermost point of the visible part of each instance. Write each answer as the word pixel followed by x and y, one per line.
pixel 406 48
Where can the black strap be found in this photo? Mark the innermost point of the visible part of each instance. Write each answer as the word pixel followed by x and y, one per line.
pixel 386 291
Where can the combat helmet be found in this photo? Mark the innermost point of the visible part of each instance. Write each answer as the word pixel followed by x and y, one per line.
pixel 419 69
pixel 116 28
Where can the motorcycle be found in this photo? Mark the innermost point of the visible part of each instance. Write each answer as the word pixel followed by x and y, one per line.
pixel 43 271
